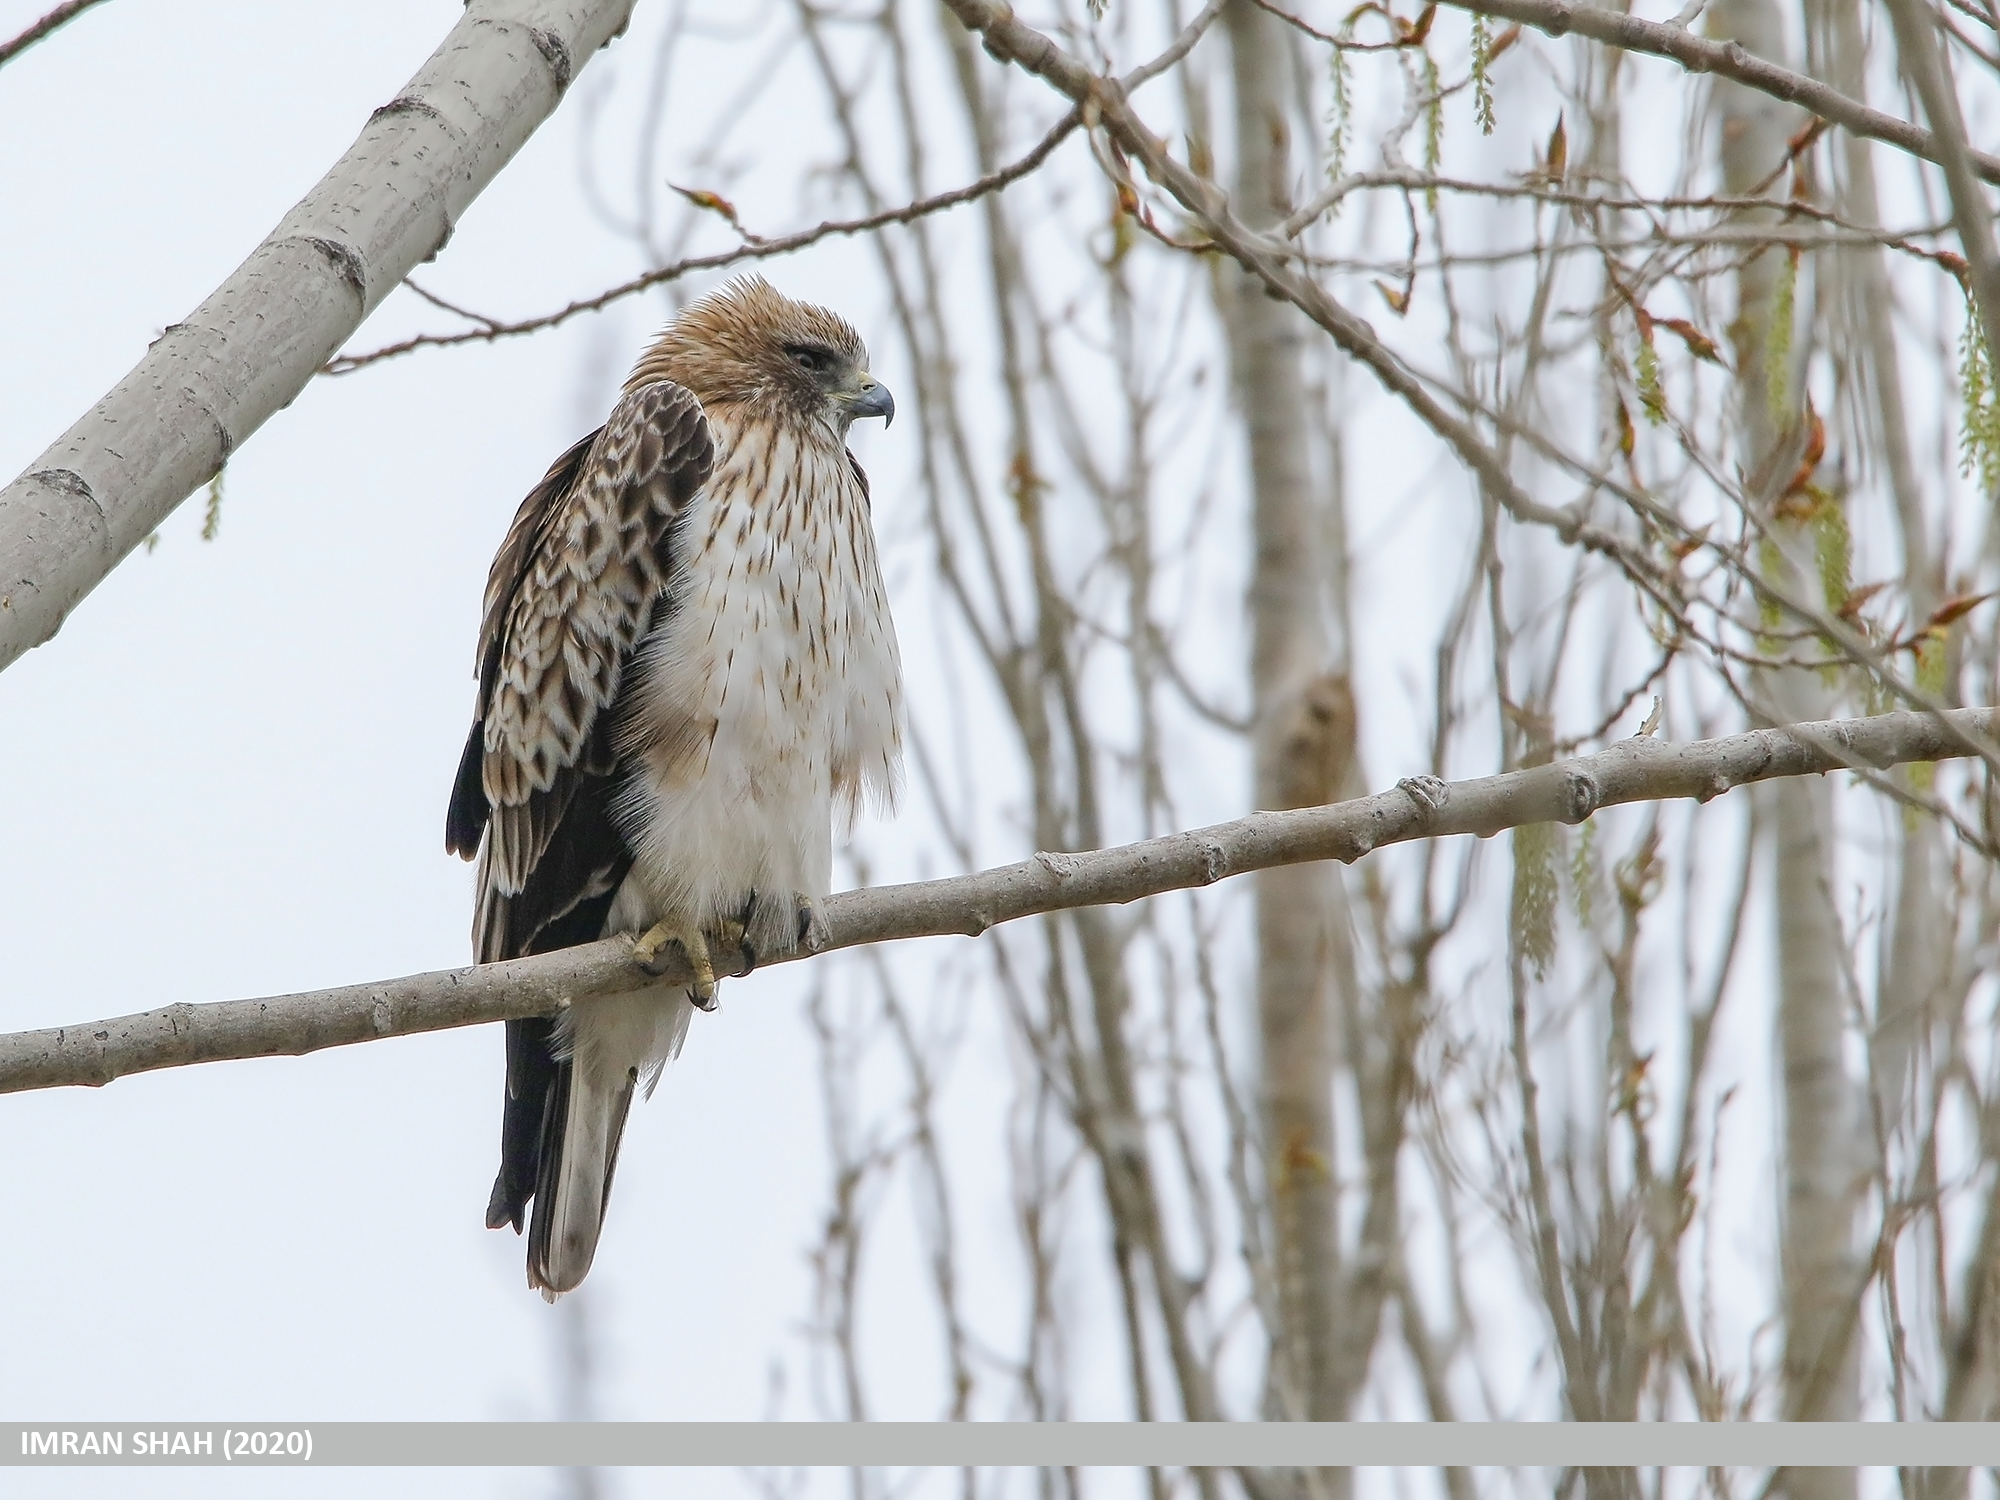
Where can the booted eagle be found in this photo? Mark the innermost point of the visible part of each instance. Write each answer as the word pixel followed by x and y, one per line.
pixel 687 670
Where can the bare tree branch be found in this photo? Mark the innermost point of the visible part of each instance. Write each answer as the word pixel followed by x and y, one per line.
pixel 1817 1282
pixel 1929 73
pixel 1638 770
pixel 763 249
pixel 1008 39
pixel 210 382
pixel 1104 101
pixel 1726 60
pixel 62 15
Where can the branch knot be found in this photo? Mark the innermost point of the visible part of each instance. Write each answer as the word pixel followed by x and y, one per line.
pixel 1581 794
pixel 1062 866
pixel 1214 861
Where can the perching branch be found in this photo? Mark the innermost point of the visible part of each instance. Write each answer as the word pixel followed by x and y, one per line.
pixel 208 383
pixel 1637 770
pixel 1726 60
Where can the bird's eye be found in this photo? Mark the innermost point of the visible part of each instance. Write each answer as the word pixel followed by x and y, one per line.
pixel 812 361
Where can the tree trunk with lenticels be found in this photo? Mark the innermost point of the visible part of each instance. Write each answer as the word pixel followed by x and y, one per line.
pixel 1296 739
pixel 1821 1281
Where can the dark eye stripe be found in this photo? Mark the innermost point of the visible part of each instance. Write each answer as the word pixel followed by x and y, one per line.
pixel 811 357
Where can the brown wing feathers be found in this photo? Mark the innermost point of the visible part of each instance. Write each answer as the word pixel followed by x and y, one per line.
pixel 571 593
pixel 466 820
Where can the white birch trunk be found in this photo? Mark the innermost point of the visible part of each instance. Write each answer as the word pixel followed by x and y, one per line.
pixel 1820 1275
pixel 212 380
pixel 1916 961
pixel 1288 656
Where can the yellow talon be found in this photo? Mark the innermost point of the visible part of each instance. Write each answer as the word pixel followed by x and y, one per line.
pixel 646 951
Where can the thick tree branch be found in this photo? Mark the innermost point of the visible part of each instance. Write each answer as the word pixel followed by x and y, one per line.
pixel 208 383
pixel 1637 770
pixel 1726 60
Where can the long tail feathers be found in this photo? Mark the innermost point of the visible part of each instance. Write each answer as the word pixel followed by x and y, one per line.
pixel 582 1123
pixel 568 1094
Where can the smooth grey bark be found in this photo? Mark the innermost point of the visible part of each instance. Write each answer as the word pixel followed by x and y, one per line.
pixel 1821 1282
pixel 212 380
pixel 1294 738
pixel 1636 770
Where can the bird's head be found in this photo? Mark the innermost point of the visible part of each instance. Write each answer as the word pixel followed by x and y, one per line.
pixel 749 345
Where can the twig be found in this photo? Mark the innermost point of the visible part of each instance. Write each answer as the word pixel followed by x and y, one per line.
pixel 1637 770
pixel 1176 50
pixel 60 16
pixel 1726 60
pixel 1542 192
pixel 1409 35
pixel 492 329
pixel 451 307
pixel 1924 64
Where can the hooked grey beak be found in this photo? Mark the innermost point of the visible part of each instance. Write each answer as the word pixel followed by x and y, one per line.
pixel 873 400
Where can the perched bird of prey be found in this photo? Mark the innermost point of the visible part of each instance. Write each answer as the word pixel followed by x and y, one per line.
pixel 687 672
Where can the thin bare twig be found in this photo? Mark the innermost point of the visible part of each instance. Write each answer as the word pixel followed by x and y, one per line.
pixel 62 15
pixel 1924 64
pixel 491 329
pixel 1726 60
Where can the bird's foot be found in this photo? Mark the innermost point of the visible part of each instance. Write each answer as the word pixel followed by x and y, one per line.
pixel 733 934
pixel 813 933
pixel 775 924
pixel 1429 793
pixel 646 954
